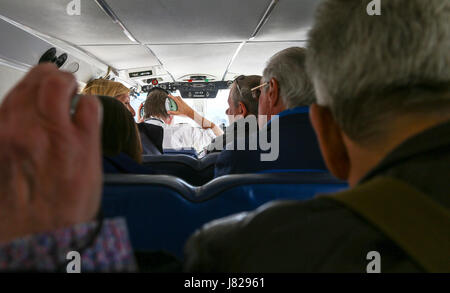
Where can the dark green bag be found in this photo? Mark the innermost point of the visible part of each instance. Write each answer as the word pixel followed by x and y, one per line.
pixel 416 223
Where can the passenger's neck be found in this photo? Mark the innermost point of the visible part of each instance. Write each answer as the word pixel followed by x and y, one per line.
pixel 364 158
pixel 155 118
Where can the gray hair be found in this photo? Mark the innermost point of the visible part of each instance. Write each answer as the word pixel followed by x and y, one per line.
pixel 369 68
pixel 288 68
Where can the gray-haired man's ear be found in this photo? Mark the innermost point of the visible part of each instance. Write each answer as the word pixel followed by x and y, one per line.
pixel 274 93
pixel 332 146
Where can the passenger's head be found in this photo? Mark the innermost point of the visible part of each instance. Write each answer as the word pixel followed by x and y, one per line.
pixel 119 132
pixel 155 106
pixel 378 79
pixel 240 99
pixel 288 85
pixel 104 87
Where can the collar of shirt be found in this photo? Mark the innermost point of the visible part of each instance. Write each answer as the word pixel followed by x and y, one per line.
pixel 155 121
pixel 293 111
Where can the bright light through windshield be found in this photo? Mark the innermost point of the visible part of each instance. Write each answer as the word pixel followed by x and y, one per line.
pixel 215 108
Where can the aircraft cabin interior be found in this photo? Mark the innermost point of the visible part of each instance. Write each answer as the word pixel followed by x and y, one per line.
pixel 205 61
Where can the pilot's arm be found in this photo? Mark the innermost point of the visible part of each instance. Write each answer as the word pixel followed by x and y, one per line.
pixel 185 110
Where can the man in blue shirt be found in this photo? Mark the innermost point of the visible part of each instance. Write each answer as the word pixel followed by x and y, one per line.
pixel 286 140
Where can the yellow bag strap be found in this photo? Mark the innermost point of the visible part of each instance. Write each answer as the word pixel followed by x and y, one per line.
pixel 420 226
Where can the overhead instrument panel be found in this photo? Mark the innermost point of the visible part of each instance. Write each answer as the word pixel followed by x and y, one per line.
pixel 192 90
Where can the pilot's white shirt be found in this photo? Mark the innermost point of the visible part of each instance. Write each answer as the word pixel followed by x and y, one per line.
pixel 183 135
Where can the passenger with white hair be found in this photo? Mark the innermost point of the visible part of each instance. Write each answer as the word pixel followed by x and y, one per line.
pixel 285 94
pixel 382 118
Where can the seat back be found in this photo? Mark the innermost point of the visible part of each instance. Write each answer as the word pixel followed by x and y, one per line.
pixel 151 138
pixel 148 147
pixel 194 171
pixel 163 211
pixel 189 152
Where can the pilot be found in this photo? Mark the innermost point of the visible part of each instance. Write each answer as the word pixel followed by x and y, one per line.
pixel 178 136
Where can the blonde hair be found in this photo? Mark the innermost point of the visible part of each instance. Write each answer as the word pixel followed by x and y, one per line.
pixel 104 87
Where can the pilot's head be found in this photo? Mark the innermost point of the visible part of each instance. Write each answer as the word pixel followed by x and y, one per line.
pixel 379 79
pixel 241 102
pixel 104 87
pixel 155 106
pixel 286 84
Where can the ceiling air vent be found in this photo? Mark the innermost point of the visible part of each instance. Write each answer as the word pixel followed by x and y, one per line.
pixel 198 78
pixel 50 56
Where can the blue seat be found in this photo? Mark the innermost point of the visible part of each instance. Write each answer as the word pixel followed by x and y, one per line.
pixel 151 138
pixel 189 152
pixel 193 171
pixel 163 211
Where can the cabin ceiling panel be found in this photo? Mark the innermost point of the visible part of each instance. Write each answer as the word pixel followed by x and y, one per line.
pixel 8 78
pixel 253 57
pixel 92 26
pixel 290 21
pixel 180 60
pixel 124 57
pixel 190 21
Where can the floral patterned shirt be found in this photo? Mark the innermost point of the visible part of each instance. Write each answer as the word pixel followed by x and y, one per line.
pixel 104 248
